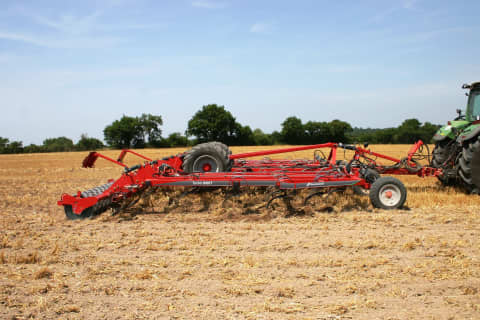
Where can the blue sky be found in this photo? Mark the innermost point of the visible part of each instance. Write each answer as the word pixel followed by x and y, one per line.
pixel 72 67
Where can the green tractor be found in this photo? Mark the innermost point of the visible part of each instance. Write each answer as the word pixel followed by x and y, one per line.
pixel 457 145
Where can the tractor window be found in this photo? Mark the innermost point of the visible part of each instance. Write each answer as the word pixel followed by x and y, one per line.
pixel 475 104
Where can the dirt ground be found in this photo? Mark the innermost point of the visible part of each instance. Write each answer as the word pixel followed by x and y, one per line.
pixel 220 259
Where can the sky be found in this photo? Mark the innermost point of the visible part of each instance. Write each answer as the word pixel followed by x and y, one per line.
pixel 72 67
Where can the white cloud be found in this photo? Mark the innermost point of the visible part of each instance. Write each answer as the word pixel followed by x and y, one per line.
pixel 62 42
pixel 261 27
pixel 71 24
pixel 209 4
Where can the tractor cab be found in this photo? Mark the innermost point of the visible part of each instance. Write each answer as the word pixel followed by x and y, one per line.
pixel 473 106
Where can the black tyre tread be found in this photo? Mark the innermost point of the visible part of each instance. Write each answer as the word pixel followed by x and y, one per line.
pixel 440 154
pixel 214 148
pixel 375 191
pixel 471 150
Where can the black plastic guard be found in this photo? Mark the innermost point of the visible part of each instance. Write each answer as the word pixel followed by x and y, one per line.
pixel 475 165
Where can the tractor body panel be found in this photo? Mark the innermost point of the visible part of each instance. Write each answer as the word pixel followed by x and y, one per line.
pixel 450 130
pixel 469 132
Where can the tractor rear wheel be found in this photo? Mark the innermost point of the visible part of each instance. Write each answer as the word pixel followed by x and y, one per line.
pixel 440 159
pixel 469 165
pixel 207 157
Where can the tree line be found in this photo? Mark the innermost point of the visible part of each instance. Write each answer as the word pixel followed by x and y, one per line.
pixel 215 123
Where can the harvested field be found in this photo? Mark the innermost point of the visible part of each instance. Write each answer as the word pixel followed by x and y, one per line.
pixel 233 259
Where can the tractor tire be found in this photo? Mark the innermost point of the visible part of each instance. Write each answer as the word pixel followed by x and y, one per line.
pixel 388 193
pixel 207 157
pixel 469 165
pixel 440 155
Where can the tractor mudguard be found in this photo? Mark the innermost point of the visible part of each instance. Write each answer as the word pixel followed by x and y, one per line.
pixel 438 137
pixel 469 133
pixel 450 130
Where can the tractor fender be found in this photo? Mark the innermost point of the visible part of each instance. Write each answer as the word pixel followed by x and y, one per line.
pixel 437 137
pixel 467 136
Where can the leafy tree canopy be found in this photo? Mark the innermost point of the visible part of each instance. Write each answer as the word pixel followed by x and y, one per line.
pixel 59 144
pixel 87 143
pixel 213 123
pixel 134 131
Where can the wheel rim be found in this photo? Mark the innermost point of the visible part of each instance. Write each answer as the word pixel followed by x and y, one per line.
pixel 206 163
pixel 390 195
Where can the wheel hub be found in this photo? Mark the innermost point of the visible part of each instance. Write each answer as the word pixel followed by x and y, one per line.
pixel 390 195
pixel 206 163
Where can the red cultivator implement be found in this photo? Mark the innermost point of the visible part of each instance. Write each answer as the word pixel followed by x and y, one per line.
pixel 211 165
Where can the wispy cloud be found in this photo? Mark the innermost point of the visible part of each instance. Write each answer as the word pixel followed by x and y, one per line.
pixel 65 42
pixel 261 28
pixel 209 4
pixel 384 14
pixel 72 31
pixel 70 23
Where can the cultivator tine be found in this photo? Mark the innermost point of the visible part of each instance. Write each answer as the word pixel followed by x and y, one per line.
pixel 313 193
pixel 328 193
pixel 281 194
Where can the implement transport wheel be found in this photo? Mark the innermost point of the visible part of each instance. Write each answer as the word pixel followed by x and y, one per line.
pixel 469 165
pixel 207 157
pixel 388 193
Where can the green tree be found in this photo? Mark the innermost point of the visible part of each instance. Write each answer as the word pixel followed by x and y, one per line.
pixel 33 148
pixel 293 131
pixel 275 137
pixel 150 125
pixel 134 132
pixel 261 139
pixel 244 136
pixel 124 133
pixel 176 139
pixel 59 144
pixel 317 132
pixel 428 131
pixel 339 130
pixel 385 136
pixel 213 123
pixel 14 147
pixel 3 143
pixel 409 131
pixel 86 143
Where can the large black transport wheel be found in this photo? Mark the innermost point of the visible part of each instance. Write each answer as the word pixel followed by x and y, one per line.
pixel 207 157
pixel 469 165
pixel 443 157
pixel 388 193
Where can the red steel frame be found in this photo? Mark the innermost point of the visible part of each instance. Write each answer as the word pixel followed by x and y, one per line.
pixel 281 174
